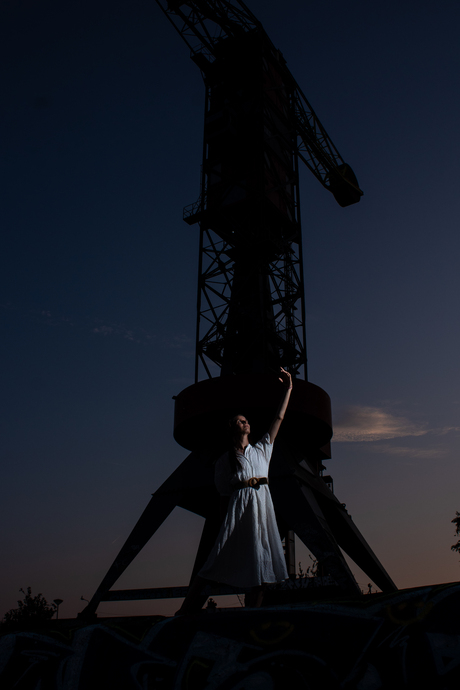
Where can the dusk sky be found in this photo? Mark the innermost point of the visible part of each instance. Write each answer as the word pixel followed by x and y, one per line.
pixel 101 121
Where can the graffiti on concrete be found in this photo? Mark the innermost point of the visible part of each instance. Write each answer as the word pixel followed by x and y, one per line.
pixel 409 639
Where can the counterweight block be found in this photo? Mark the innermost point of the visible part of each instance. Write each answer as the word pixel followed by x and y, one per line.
pixel 203 410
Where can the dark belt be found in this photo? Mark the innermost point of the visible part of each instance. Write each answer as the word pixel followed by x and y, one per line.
pixel 252 483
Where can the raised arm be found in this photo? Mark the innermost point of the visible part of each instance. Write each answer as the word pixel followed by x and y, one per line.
pixel 286 380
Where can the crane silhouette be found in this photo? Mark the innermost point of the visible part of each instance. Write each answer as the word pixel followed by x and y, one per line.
pixel 258 125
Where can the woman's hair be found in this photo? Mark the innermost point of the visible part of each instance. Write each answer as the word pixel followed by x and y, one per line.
pixel 235 464
pixel 233 459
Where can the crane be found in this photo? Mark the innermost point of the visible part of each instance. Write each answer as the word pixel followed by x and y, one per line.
pixel 258 125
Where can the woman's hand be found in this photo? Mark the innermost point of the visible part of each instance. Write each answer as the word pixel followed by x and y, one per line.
pixel 286 378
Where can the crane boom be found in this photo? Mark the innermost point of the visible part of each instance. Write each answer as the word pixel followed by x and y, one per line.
pixel 204 25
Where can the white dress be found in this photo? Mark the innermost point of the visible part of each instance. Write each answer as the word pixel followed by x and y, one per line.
pixel 248 550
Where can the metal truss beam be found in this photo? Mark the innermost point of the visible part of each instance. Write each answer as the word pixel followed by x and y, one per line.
pixel 204 25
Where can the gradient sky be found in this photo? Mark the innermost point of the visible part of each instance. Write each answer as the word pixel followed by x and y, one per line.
pixel 101 130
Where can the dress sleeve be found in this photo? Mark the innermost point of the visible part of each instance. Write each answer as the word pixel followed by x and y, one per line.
pixel 265 447
pixel 223 476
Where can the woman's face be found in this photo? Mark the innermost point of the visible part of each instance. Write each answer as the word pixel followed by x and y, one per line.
pixel 241 424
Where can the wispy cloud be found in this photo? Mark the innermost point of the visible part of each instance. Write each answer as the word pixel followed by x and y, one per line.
pixel 44 316
pixel 445 430
pixel 104 330
pixel 120 330
pixel 358 423
pixel 407 452
pixel 176 342
pixel 84 324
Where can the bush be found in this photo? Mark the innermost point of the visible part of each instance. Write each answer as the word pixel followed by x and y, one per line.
pixel 30 610
pixel 456 521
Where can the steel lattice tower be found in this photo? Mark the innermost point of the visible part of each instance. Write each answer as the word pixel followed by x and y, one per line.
pixel 251 312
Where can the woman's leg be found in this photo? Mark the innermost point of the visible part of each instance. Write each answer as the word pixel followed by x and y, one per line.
pixel 254 598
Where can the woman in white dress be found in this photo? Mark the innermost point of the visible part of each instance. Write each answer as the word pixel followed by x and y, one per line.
pixel 248 552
